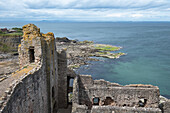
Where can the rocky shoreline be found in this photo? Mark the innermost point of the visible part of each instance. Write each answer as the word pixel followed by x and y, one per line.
pixel 79 52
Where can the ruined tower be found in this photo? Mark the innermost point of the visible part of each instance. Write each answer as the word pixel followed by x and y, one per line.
pixel 39 49
pixel 36 90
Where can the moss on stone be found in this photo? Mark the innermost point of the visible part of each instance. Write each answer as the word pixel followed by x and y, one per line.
pixel 19 45
pixel 30 31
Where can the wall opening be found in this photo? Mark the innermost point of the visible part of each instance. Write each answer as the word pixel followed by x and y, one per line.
pixel 53 93
pixel 108 101
pixel 55 107
pixel 69 89
pixel 96 101
pixel 124 105
pixel 142 102
pixel 31 54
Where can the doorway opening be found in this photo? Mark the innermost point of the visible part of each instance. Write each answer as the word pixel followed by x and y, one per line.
pixel 31 54
pixel 96 101
pixel 69 89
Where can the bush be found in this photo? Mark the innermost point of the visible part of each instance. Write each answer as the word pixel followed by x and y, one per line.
pixel 17 29
pixel 2 32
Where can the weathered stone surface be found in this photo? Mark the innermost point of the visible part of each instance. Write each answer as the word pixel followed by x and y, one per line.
pixel 35 91
pixel 115 109
pixel 62 76
pixel 165 106
pixel 112 94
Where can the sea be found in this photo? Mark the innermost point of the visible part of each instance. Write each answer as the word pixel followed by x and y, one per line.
pixel 147 45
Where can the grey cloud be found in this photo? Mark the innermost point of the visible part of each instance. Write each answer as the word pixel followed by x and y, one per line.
pixel 88 10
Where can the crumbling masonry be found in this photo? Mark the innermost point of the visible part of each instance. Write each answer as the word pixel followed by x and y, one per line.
pixel 42 85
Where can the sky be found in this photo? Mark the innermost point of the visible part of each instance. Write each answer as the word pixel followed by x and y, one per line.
pixel 85 10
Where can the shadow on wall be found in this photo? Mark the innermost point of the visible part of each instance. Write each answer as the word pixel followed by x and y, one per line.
pixel 84 100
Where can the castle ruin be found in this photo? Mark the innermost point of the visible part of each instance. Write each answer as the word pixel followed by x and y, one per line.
pixel 42 85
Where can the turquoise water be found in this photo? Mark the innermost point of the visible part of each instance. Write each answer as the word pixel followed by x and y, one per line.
pixel 147 45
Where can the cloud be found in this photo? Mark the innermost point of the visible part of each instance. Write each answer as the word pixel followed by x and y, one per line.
pixel 86 10
pixel 137 15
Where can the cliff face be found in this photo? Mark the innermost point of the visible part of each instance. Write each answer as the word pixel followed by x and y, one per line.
pixel 11 41
pixel 8 54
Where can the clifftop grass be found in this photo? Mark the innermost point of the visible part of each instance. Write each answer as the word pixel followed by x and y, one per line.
pixel 17 33
pixel 11 34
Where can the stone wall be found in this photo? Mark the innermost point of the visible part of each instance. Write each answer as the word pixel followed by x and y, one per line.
pixel 115 109
pixel 29 95
pixel 165 106
pixel 37 91
pixel 62 76
pixel 112 94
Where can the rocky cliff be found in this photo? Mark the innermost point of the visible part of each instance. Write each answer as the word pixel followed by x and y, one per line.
pixel 11 42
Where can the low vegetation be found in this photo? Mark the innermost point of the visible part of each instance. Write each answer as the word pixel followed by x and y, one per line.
pixel 18 32
pixel 5 48
pixel 74 66
pixel 108 54
pixel 11 34
pixel 106 48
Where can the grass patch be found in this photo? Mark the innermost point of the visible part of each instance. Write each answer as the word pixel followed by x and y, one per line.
pixel 11 34
pixel 107 48
pixel 25 66
pixel 19 30
pixel 5 48
pixel 70 97
pixel 74 66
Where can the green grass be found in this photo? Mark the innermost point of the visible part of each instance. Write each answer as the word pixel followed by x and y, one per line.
pixel 70 97
pixel 74 66
pixel 25 66
pixel 11 34
pixel 2 32
pixel 4 48
pixel 19 30
pixel 107 48
pixel 17 33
